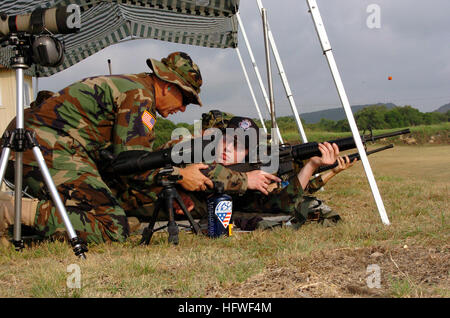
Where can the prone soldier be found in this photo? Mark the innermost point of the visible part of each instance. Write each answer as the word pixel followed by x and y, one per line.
pixel 286 200
pixel 308 208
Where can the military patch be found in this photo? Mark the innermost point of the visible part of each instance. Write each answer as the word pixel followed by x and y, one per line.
pixel 223 212
pixel 245 124
pixel 148 120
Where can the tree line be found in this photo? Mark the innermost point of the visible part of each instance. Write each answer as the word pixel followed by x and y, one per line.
pixel 375 117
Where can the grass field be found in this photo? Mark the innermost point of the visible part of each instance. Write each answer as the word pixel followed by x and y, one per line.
pixel 412 254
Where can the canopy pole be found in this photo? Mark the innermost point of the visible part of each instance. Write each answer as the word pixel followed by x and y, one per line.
pixel 36 88
pixel 269 70
pixel 251 89
pixel 283 77
pixel 36 82
pixel 326 47
pixel 255 67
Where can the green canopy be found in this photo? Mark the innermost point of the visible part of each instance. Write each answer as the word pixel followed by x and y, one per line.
pixel 209 23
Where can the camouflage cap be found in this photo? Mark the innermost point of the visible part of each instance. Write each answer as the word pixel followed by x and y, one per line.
pixel 242 122
pixel 179 69
pixel 215 119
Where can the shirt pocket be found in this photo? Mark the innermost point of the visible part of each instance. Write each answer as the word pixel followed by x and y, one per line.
pixel 68 154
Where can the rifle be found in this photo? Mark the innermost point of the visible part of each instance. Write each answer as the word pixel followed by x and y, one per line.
pixel 291 155
pixel 139 161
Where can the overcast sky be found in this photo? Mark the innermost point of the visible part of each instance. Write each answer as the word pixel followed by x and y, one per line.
pixel 412 45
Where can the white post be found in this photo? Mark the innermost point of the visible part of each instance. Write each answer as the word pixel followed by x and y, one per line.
pixel 36 82
pixel 269 71
pixel 36 87
pixel 284 79
pixel 326 47
pixel 255 67
pixel 251 89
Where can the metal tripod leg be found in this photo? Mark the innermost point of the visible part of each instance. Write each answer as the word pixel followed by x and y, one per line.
pixel 78 247
pixel 4 162
pixel 3 165
pixel 9 139
pixel 18 173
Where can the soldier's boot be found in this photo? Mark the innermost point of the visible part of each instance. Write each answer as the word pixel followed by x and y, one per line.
pixel 315 210
pixel 299 215
pixel 28 214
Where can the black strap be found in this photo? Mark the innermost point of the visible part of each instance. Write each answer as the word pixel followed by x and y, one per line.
pixel 12 24
pixel 37 21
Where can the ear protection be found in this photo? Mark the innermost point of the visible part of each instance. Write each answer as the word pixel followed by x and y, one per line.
pixel 48 51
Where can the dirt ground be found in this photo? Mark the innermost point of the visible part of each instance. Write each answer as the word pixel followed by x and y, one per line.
pixel 343 273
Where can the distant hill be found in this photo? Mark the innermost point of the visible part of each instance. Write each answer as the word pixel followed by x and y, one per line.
pixel 336 113
pixel 443 109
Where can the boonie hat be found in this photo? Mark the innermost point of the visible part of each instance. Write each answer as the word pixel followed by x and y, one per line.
pixel 179 69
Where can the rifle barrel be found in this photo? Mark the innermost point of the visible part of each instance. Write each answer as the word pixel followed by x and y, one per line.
pixel 311 149
pixel 387 135
pixel 352 157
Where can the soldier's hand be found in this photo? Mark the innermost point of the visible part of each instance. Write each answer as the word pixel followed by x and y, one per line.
pixel 329 156
pixel 194 179
pixel 260 180
pixel 344 163
pixel 188 203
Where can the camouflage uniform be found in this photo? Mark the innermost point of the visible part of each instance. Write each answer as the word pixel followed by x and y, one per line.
pixel 72 129
pixel 75 126
pixel 315 208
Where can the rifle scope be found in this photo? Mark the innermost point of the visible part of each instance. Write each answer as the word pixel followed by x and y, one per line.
pixel 136 161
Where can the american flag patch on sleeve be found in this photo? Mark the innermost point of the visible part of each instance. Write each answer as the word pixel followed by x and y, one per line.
pixel 148 120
